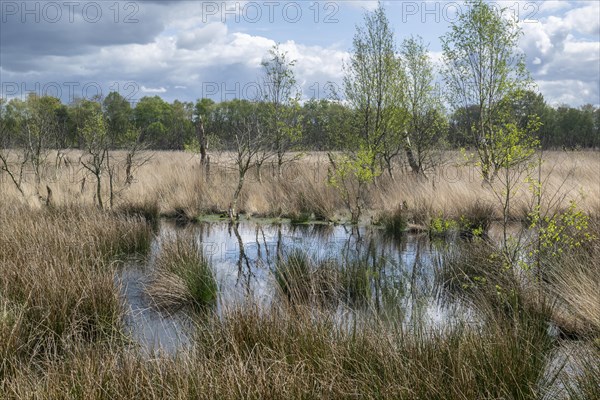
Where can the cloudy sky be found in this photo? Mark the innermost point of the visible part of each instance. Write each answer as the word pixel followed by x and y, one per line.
pixel 190 49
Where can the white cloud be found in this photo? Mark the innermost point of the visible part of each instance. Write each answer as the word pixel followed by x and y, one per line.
pixel 185 49
pixel 195 39
pixel 585 20
pixel 563 54
pixel 153 90
pixel 569 92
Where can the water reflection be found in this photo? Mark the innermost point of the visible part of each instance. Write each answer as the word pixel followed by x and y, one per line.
pixel 394 276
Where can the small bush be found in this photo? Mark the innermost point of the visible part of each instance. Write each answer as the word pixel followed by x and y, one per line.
pixel 475 219
pixel 440 226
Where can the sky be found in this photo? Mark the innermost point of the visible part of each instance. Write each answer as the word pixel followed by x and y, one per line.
pixel 187 50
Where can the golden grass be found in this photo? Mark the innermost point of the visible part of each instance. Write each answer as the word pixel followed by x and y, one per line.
pixel 276 354
pixel 57 278
pixel 175 181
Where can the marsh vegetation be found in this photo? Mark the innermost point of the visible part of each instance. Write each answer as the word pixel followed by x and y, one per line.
pixel 325 309
pixel 390 265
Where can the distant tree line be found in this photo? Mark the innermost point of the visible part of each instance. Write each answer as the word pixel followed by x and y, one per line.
pixel 325 124
pixel 563 127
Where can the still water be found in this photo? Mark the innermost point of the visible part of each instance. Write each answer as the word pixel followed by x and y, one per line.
pixel 244 260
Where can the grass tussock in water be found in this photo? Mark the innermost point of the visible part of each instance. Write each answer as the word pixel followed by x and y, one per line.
pixel 303 280
pixel 567 280
pixel 395 222
pixel 182 276
pixel 573 278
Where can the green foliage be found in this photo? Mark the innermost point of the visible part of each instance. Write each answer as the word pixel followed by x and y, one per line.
pixel 471 228
pixel 192 146
pixel 325 124
pixel 515 144
pixel 357 166
pixel 350 175
pixel 118 115
pixel 372 87
pixel 484 70
pixel 476 218
pixel 426 123
pixel 282 111
pixel 560 233
pixel 465 225
pixel 94 132
pixel 163 125
pixel 440 226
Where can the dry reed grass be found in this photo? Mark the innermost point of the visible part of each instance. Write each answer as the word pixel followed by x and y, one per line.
pixel 57 278
pixel 276 353
pixel 175 181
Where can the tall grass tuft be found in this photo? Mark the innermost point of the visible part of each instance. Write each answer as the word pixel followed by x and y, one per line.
pixel 303 280
pixel 182 276
pixel 148 210
pixel 476 218
pixel 395 222
pixel 328 282
pixel 585 384
pixel 57 279
pixel 356 282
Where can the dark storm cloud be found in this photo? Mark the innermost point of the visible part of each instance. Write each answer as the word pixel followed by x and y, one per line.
pixel 33 29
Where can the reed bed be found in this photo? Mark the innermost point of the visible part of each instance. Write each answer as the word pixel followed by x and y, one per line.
pixel 176 181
